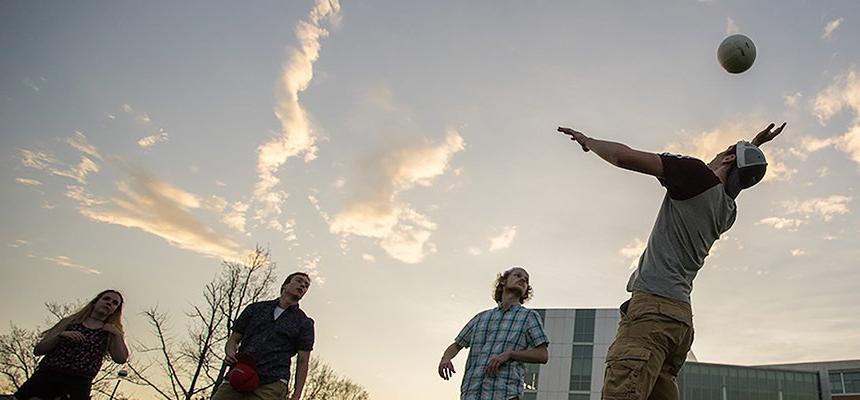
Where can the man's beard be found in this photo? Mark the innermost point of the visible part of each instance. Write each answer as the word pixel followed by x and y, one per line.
pixel 516 290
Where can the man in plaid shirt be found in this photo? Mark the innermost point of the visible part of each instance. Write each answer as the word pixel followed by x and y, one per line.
pixel 501 340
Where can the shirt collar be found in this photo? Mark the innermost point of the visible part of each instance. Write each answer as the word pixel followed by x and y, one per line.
pixel 277 303
pixel 513 307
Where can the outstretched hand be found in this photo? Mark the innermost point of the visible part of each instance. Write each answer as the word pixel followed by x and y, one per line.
pixel 576 136
pixel 767 134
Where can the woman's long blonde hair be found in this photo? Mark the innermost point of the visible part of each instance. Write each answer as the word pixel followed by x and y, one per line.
pixel 81 315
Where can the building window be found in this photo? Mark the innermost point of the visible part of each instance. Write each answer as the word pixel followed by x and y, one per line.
pixel 580 368
pixel 836 383
pixel 851 380
pixel 578 396
pixel 529 396
pixel 845 382
pixel 583 326
pixel 531 373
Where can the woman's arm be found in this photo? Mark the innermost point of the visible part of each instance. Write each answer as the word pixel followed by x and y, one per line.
pixel 116 345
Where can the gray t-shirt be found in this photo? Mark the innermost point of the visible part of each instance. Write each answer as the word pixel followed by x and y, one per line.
pixel 695 212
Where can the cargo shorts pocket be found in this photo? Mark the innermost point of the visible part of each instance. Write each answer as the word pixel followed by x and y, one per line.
pixel 625 376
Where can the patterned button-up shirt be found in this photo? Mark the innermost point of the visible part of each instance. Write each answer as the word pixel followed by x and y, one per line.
pixel 492 332
pixel 272 342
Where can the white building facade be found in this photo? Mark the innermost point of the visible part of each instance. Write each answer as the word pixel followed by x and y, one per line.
pixel 580 339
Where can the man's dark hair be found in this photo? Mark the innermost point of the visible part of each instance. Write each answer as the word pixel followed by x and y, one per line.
pixel 500 287
pixel 290 277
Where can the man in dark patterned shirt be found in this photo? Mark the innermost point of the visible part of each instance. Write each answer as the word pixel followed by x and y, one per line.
pixel 501 340
pixel 272 332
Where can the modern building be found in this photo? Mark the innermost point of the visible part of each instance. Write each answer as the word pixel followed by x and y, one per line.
pixel 839 380
pixel 580 339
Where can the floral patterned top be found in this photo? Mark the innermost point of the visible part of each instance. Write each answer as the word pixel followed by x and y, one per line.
pixel 79 358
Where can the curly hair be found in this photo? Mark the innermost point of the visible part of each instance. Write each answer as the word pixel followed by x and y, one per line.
pixel 500 287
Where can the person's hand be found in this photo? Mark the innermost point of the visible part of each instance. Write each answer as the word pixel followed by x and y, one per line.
pixel 576 136
pixel 112 329
pixel 496 361
pixel 767 134
pixel 230 358
pixel 74 336
pixel 446 369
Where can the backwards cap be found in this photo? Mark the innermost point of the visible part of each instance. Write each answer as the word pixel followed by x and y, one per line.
pixel 750 166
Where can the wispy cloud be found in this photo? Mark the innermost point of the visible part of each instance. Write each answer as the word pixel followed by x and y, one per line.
pixel 798 252
pixel 64 261
pixel 32 84
pixel 235 217
pixel 792 100
pixel 830 28
pixel 824 207
pixel 79 142
pixel 368 257
pixel 297 137
pixel 633 251
pixel 504 239
pixel 148 141
pixel 310 265
pixel 400 230
pixel 731 26
pixel 843 93
pixel 19 243
pixel 46 162
pixel 781 223
pixel 158 208
pixel 28 181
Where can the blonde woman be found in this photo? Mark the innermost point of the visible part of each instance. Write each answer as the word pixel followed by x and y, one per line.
pixel 74 349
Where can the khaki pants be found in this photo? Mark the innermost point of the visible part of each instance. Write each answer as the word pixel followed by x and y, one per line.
pixel 654 336
pixel 271 391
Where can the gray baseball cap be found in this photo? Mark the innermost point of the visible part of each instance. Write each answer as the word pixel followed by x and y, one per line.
pixel 750 167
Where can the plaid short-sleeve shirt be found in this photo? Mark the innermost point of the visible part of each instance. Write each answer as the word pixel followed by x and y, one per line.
pixel 492 332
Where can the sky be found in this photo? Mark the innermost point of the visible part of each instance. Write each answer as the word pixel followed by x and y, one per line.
pixel 403 153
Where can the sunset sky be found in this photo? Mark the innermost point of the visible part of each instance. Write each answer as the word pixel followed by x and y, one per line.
pixel 404 152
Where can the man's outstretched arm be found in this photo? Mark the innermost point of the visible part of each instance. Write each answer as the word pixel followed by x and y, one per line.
pixel 617 154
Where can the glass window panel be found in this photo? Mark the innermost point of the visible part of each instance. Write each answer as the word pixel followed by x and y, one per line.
pixel 851 381
pixel 531 374
pixel 580 367
pixel 583 326
pixel 836 382
pixel 578 396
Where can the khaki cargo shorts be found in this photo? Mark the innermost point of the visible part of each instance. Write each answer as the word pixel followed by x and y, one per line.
pixel 272 391
pixel 654 336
